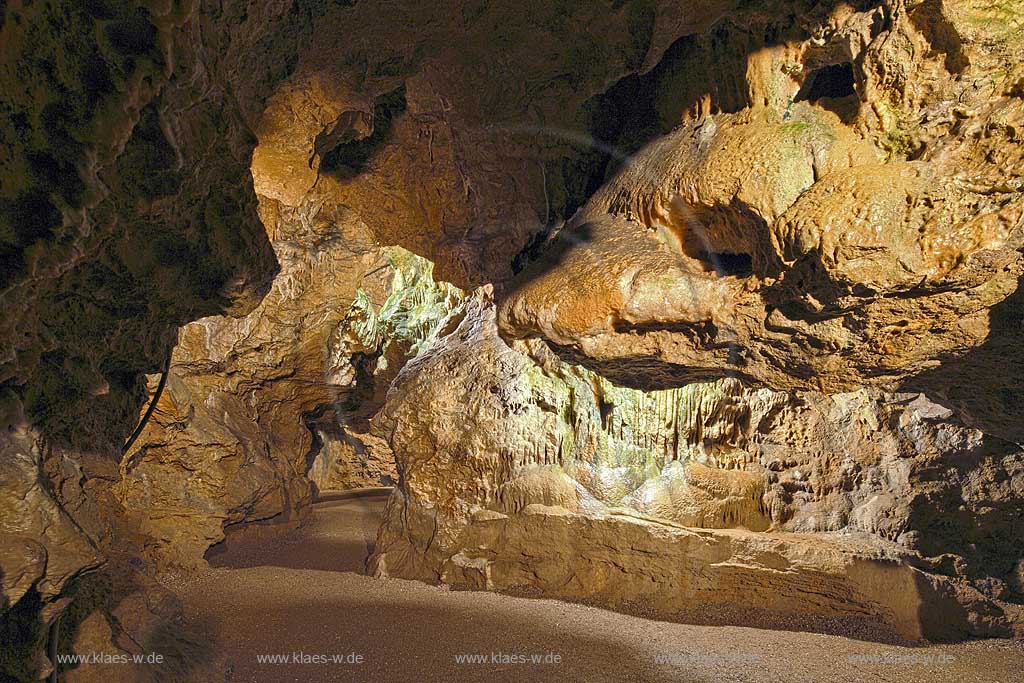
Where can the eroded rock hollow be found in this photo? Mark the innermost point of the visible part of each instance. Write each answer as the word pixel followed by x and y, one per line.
pixel 706 311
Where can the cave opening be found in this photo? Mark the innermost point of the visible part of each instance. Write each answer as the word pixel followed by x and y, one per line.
pixel 834 81
pixel 724 263
pixel 345 156
pixel 834 88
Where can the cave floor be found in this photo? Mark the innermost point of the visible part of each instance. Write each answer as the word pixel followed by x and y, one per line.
pixel 304 595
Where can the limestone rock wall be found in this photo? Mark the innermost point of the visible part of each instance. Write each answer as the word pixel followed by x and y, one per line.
pixel 851 216
pixel 125 212
pixel 230 440
pixel 487 434
pixel 717 202
pixel 227 442
pixel 345 461
pixel 395 140
pixel 460 130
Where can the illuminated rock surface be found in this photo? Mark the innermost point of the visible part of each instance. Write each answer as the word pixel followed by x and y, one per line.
pixel 636 303
pixel 522 472
pixel 804 243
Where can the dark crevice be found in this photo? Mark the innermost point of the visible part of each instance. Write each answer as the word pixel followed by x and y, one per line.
pixel 702 332
pixel 316 445
pixel 942 35
pixel 737 265
pixel 834 81
pixel 648 373
pixel 833 87
pixel 350 158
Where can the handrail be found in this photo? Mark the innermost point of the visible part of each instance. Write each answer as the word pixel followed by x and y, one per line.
pixel 152 406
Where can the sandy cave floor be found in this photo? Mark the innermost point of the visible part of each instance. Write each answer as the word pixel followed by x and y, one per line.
pixel 306 593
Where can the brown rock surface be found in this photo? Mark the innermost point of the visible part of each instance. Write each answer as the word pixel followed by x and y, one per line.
pixel 858 231
pixel 513 461
pixel 229 441
pixel 444 142
pixel 795 226
pixel 351 461
pixel 125 211
pixel 43 547
pixel 400 151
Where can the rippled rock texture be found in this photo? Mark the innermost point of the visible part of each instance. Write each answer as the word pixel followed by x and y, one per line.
pixel 521 471
pixel 126 210
pixel 736 267
pixel 256 407
pixel 851 216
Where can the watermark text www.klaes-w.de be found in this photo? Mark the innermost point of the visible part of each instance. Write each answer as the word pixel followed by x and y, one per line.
pixel 302 657
pixel 708 659
pixel 89 658
pixel 902 658
pixel 502 658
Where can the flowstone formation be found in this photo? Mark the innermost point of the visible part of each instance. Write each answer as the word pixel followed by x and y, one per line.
pixel 523 472
pixel 852 216
pixel 742 332
pixel 256 408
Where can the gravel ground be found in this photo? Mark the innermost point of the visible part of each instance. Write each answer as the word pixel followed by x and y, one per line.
pixel 304 596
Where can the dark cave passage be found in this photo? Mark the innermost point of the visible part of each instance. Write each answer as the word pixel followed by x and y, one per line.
pixel 410 333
